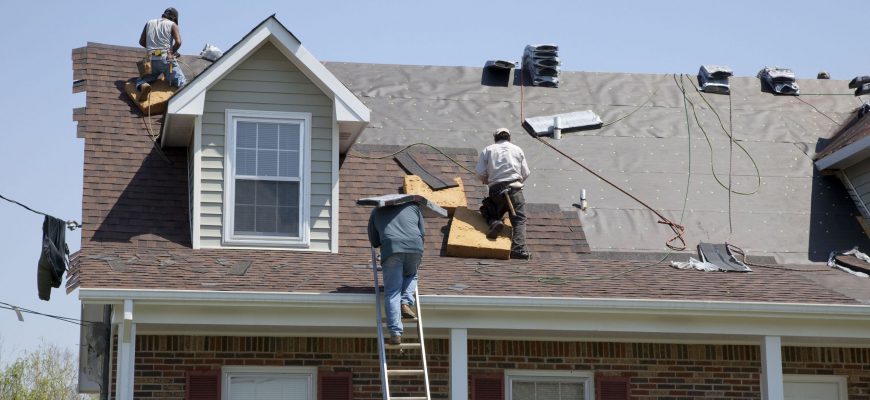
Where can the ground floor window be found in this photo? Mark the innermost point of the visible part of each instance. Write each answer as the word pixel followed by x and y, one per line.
pixel 814 387
pixel 268 383
pixel 548 385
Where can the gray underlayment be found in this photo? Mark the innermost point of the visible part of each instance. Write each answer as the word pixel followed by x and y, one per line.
pixel 796 215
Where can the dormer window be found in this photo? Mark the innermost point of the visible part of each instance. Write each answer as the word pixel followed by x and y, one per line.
pixel 266 200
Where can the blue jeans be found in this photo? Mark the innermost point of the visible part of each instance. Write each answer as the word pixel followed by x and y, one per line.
pixel 161 66
pixel 400 283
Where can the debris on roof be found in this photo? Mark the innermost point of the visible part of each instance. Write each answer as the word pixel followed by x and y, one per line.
pixel 449 198
pixel 543 65
pixel 572 121
pixel 853 261
pixel 714 257
pixel 415 166
pixel 467 237
pixel 714 79
pixel 857 81
pixel 779 80
pixel 211 52
pixel 863 89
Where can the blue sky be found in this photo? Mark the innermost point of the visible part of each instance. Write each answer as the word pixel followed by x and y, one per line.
pixel 41 158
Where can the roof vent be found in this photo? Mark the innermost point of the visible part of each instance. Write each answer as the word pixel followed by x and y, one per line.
pixel 779 80
pixel 714 79
pixel 861 84
pixel 543 64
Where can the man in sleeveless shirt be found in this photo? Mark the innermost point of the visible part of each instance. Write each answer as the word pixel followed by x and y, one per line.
pixel 162 39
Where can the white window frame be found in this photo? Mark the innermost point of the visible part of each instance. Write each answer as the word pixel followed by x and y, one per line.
pixel 229 371
pixel 840 380
pixel 229 237
pixel 584 377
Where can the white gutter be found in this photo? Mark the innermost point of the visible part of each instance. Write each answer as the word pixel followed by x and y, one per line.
pixel 846 156
pixel 478 303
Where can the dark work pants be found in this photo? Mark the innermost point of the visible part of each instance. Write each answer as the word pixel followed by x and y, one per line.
pixel 495 206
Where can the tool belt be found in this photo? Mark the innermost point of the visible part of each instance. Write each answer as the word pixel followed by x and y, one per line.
pixel 500 188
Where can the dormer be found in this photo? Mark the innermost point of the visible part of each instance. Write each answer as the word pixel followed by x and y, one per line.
pixel 264 127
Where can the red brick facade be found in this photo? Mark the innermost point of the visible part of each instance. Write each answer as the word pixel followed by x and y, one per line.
pixel 656 371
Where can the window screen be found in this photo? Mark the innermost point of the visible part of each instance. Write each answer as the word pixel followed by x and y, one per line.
pixel 542 389
pixel 268 169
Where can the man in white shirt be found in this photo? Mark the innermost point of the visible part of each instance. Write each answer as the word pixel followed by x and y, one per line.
pixel 503 167
pixel 161 39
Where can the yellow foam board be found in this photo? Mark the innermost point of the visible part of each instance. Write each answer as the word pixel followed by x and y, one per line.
pixel 449 198
pixel 467 237
pixel 156 101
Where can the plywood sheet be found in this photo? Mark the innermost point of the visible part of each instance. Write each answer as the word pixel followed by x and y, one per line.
pixel 449 199
pixel 467 237
pixel 156 101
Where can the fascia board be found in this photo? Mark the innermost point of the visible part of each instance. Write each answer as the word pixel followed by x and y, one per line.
pixel 480 303
pixel 846 156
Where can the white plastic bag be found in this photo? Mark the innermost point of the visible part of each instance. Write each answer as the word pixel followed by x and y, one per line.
pixel 211 52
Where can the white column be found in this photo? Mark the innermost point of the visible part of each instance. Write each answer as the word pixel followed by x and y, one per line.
pixel 126 354
pixel 459 364
pixel 771 368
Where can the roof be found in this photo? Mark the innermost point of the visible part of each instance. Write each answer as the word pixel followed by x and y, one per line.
pixel 136 227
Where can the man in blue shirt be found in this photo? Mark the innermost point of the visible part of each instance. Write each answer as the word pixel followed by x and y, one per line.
pixel 398 230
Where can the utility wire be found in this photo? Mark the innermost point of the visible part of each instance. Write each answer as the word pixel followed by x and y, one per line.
pixel 817 110
pixel 17 309
pixel 71 225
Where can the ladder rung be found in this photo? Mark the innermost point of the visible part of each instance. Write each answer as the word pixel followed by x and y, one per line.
pixel 404 372
pixel 408 398
pixel 402 346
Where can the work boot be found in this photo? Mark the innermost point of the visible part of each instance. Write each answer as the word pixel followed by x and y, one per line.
pixel 494 229
pixel 394 340
pixel 144 90
pixel 408 312
pixel 521 255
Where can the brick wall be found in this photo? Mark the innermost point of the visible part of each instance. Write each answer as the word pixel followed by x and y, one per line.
pixel 656 371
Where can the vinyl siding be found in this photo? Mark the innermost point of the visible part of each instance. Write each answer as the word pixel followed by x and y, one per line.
pixel 266 81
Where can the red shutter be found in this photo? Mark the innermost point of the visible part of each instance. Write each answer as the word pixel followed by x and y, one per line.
pixel 487 387
pixel 611 388
pixel 334 386
pixel 203 385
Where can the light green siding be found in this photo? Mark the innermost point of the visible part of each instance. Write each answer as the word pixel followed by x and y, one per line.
pixel 266 81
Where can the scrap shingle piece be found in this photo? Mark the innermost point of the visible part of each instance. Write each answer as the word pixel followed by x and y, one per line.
pixel 719 255
pixel 414 166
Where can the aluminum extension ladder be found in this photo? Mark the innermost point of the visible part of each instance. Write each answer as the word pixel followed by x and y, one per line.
pixel 387 373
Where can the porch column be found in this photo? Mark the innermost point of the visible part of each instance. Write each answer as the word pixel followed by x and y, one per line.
pixel 771 368
pixel 126 354
pixel 459 364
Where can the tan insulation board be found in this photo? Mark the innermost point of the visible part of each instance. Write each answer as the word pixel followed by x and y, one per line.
pixel 467 237
pixel 449 198
pixel 160 94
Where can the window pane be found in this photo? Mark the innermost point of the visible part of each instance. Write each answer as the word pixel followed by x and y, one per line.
pixel 547 391
pixel 522 390
pixel 288 194
pixel 246 134
pixel 244 218
pixel 246 162
pixel 266 219
pixel 245 191
pixel 267 193
pixel 267 387
pixel 289 162
pixel 288 221
pixel 572 391
pixel 289 134
pixel 267 163
pixel 267 136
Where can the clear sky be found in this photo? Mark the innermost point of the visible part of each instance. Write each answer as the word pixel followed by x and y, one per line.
pixel 41 158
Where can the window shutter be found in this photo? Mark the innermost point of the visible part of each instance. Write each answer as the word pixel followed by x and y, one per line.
pixel 487 387
pixel 334 386
pixel 203 385
pixel 611 388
